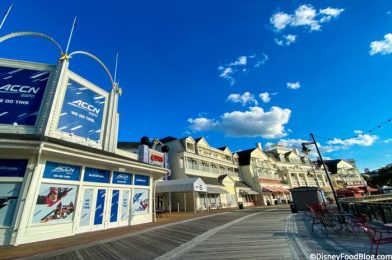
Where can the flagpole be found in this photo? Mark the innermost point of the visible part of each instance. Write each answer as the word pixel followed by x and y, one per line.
pixel 70 36
pixel 115 69
pixel 5 16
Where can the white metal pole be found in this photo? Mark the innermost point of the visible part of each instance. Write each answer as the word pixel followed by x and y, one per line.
pixel 70 35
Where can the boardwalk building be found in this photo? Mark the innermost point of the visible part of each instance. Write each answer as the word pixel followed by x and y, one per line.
pixel 217 168
pixel 60 170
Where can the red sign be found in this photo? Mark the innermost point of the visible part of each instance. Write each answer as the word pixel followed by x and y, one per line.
pixel 156 158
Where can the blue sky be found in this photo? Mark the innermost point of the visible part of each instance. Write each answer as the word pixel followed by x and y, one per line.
pixel 236 72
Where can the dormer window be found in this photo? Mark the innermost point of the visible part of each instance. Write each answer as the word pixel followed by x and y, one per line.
pixel 190 147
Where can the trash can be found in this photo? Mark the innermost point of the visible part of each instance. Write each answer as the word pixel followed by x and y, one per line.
pixel 240 205
pixel 293 207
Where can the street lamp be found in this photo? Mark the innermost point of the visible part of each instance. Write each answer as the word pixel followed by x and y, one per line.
pixel 305 150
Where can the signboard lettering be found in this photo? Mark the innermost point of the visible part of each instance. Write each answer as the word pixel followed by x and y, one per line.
pixel 142 180
pixel 96 175
pixel 21 93
pixel 82 112
pixel 122 178
pixel 12 167
pixel 61 171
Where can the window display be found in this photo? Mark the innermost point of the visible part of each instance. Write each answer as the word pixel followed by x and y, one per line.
pixel 55 203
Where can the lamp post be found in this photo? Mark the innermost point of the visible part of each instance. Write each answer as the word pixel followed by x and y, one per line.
pixel 305 150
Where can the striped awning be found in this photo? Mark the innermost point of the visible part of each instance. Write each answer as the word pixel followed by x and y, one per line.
pixel 274 190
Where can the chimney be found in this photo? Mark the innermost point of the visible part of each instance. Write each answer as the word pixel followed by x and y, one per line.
pixel 258 145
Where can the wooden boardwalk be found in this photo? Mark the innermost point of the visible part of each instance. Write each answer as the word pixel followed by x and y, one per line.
pixel 175 240
pixel 263 233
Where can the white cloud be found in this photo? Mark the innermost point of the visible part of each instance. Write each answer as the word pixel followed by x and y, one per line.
pixel 241 64
pixel 252 123
pixel 286 40
pixel 331 146
pixel 281 20
pixel 293 85
pixel 387 141
pixel 304 16
pixel 361 140
pixel 244 99
pixel 201 124
pixel 382 47
pixel 330 13
pixel 265 97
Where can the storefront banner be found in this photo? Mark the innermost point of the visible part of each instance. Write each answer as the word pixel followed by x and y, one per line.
pixel 86 207
pixel 21 93
pixel 114 206
pixel 82 112
pixel 61 171
pixel 55 203
pixel 124 205
pixel 9 193
pixel 142 180
pixel 100 207
pixel 122 178
pixel 140 202
pixel 157 158
pixel 96 175
pixel 12 167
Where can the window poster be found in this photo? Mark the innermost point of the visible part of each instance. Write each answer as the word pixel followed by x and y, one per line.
pixel 140 202
pixel 55 203
pixel 86 207
pixel 100 207
pixel 124 205
pixel 9 193
pixel 114 206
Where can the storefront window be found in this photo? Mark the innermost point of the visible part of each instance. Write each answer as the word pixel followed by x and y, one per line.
pixel 140 202
pixel 55 203
pixel 14 170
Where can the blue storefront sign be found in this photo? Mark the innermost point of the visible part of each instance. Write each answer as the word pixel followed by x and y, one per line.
pixel 142 180
pixel 122 178
pixel 21 93
pixel 82 112
pixel 61 171
pixel 12 167
pixel 96 175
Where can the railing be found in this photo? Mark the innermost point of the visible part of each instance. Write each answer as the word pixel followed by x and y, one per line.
pixel 377 208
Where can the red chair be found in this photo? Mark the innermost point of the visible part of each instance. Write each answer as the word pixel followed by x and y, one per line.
pixel 377 236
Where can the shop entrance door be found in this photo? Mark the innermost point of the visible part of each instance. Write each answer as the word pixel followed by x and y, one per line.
pixel 92 215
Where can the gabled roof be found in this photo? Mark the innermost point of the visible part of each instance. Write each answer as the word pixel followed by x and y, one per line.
pixel 209 180
pixel 332 165
pixel 167 139
pixel 240 184
pixel 244 156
